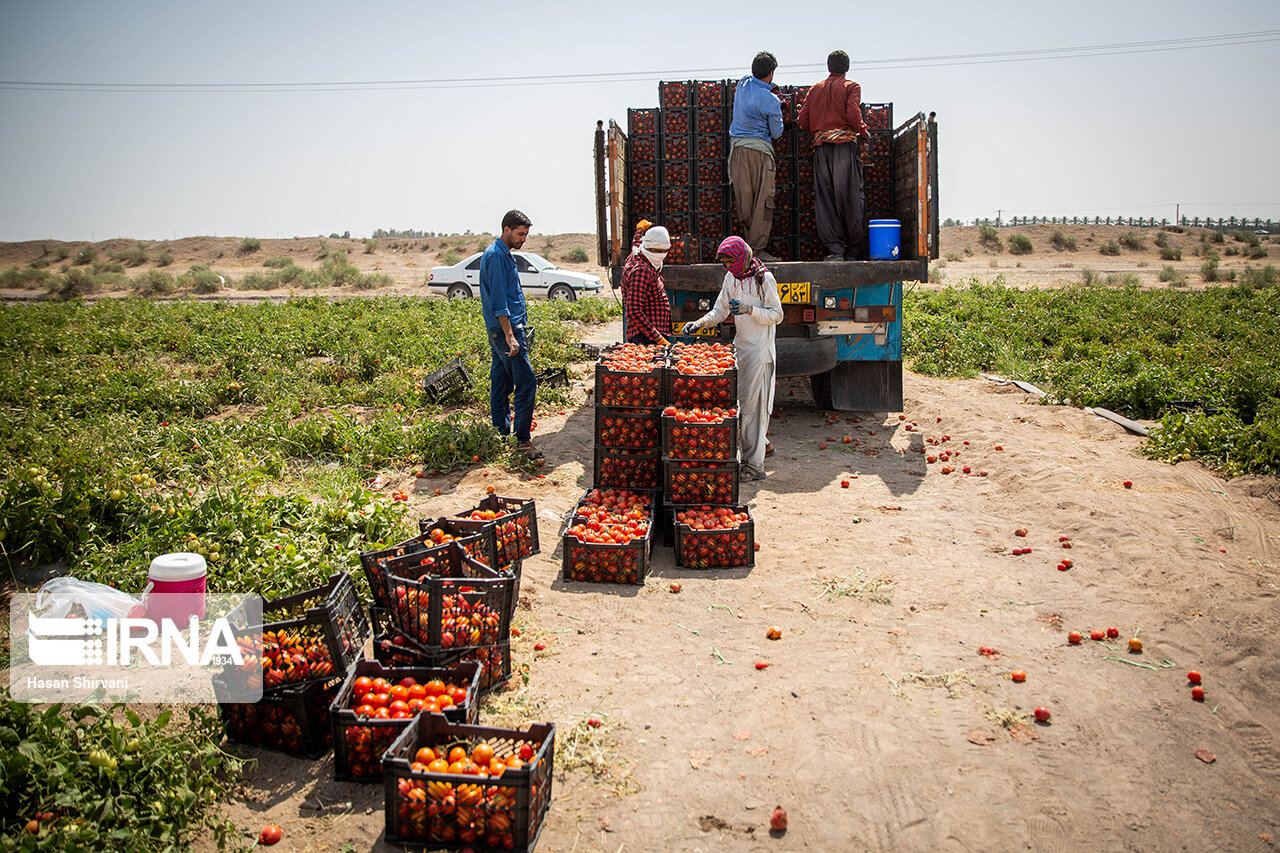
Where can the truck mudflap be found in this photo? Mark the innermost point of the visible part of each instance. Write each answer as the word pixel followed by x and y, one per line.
pixel 805 356
pixel 859 386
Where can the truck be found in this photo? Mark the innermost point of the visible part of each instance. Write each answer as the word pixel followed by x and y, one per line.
pixel 842 323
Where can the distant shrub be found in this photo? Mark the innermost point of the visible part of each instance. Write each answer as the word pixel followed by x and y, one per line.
pixel 954 256
pixel 1168 253
pixel 370 246
pixel 132 257
pixel 289 274
pixel 577 255
pixel 1216 237
pixel 1088 276
pixel 41 263
pixel 336 271
pixel 100 267
pixel 450 257
pixel 164 259
pixel 256 281
pixel 1256 252
pixel 249 245
pixel 16 278
pixel 372 281
pixel 1170 274
pixel 1132 240
pixel 1267 276
pixel 1209 269
pixel 1228 275
pixel 1020 244
pixel 62 252
pixel 1127 280
pixel 277 261
pixel 1230 251
pixel 154 283
pixel 935 273
pixel 1247 237
pixel 200 279
pixel 1162 240
pixel 1109 248
pixel 990 237
pixel 481 245
pixel 1176 229
pixel 87 255
pixel 1062 242
pixel 74 284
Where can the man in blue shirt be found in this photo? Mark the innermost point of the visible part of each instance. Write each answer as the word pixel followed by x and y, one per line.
pixel 757 121
pixel 505 317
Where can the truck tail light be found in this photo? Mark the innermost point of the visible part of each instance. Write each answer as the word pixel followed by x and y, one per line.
pixel 829 302
pixel 862 314
pixel 808 315
pixel 844 303
pixel 689 304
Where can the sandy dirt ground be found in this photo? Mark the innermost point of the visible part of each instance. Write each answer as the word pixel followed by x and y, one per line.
pixel 879 724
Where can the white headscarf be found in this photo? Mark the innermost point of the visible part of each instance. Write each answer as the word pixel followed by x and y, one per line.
pixel 655 237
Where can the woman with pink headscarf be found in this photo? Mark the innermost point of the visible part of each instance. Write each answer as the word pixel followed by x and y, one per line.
pixel 750 293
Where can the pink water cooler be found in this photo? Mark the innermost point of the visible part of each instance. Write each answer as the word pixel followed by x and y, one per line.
pixel 175 587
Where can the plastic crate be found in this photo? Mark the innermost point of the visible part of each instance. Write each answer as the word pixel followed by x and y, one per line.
pixel 707 248
pixel 628 429
pixel 712 225
pixel 712 172
pixel 515 525
pixel 677 173
pixel 644 202
pixel 810 248
pixel 294 720
pixel 804 170
pixel 714 549
pixel 466 604
pixel 711 146
pixel 677 199
pixel 650 502
pixel 783 201
pixel 628 389
pixel 677 146
pixel 643 146
pixel 710 93
pixel 553 377
pixel 700 482
pixel 445 810
pixel 674 93
pixel 494 659
pixel 676 120
pixel 779 244
pixel 692 440
pixel 595 562
pixel 712 119
pixel 783 170
pixel 447 383
pixel 642 121
pixel 359 742
pixel 712 199
pixel 644 173
pixel 803 144
pixel 693 390
pixel 878 116
pixel 676 224
pixel 637 470
pixel 478 543
pixel 679 253
pixel 589 352
pixel 325 626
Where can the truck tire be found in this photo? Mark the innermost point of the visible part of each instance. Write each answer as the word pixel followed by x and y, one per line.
pixel 459 291
pixel 805 356
pixel 561 293
pixel 859 386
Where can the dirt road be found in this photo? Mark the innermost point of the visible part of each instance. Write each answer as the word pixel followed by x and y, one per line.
pixel 878 724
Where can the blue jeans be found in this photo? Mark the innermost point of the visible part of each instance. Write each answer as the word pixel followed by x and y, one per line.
pixel 510 373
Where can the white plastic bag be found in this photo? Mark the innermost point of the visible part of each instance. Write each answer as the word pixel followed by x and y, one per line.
pixel 98 601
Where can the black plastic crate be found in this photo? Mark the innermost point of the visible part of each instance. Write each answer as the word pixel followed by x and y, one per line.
pixel 644 173
pixel 707 248
pixel 480 544
pixel 643 146
pixel 589 352
pixel 553 377
pixel 804 171
pixel 712 119
pixel 305 637
pixel 628 429
pixel 810 248
pixel 712 199
pixel 714 549
pixel 710 93
pixel 677 173
pixel 784 193
pixel 676 120
pixel 878 116
pixel 294 720
pixel 699 482
pixel 802 145
pixel 494 659
pixel 452 810
pixel 697 390
pixel 514 522
pixel 642 121
pixel 449 606
pixel 677 146
pixel 674 93
pixel 783 170
pixel 644 202
pixel 628 389
pixel 700 440
pixel 712 172
pixel 677 199
pixel 359 742
pixel 449 382
pixel 712 225
pixel 712 146
pixel 785 145
pixel 600 562
pixel 627 469
pixel 650 500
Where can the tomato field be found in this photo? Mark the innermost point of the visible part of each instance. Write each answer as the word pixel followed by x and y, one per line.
pixel 1204 362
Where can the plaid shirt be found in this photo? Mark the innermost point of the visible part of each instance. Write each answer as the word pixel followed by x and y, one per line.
pixel 646 308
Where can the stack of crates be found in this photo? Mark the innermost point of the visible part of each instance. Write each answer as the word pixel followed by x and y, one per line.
pixel 701 468
pixel 677 161
pixel 299 653
pixel 628 394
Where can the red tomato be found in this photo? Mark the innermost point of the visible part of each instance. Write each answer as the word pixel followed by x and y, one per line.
pixel 1074 637
pixel 270 835
pixel 1042 714
pixel 1197 693
pixel 1097 635
pixel 377 700
pixel 459 695
pixel 399 693
pixel 365 711
pixel 1193 676
pixel 361 686
pixel 1113 632
pixel 778 820
pixel 1018 675
pixel 526 752
pixel 417 691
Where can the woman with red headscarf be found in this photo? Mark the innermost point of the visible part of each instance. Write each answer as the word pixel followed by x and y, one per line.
pixel 750 293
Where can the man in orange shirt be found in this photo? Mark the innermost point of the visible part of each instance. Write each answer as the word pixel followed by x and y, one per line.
pixel 832 112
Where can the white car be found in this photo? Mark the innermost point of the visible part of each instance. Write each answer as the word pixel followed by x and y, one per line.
pixel 538 277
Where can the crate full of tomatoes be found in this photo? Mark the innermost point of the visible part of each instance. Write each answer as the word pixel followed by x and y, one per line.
pixel 376 703
pixel 395 648
pixel 638 470
pixel 485 550
pixel 309 636
pixel 610 537
pixel 456 785
pixel 630 376
pixel 477 541
pixel 701 376
pixel 455 602
pixel 700 433
pixel 514 522
pixel 628 429
pixel 714 537
pixel 292 719
pixel 700 482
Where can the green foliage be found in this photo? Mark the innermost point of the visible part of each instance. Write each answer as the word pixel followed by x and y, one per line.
pixel 370 246
pixel 154 283
pixel 100 266
pixel 449 258
pixel 1168 253
pixel 1124 349
pixel 1132 240
pixel 277 261
pixel 249 245
pixel 1109 248
pixel 954 256
pixel 1246 237
pixel 87 255
pixel 113 781
pixel 1088 276
pixel 1209 269
pixel 200 279
pixel 576 255
pixel 1255 253
pixel 164 259
pixel 1020 244
pixel 17 278
pixel 1162 240
pixel 62 252
pixel 1266 276
pixel 335 271
pixel 989 237
pixel 1170 274
pixel 1216 237
pixel 134 256
pixel 73 284
pixel 1062 242
pixel 935 273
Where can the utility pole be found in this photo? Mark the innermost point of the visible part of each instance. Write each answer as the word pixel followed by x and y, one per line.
pixel 998 217
pixel 1177 208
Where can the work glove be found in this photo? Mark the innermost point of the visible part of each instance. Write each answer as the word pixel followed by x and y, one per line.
pixel 644 225
pixel 689 328
pixel 662 342
pixel 736 308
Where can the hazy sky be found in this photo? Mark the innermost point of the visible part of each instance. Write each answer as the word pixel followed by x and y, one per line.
pixel 1120 134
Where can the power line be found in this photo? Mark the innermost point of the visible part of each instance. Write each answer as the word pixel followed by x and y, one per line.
pixel 1076 52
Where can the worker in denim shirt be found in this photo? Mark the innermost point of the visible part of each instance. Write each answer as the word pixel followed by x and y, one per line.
pixel 506 317
pixel 757 121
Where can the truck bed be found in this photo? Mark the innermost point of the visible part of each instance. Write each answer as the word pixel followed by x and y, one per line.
pixel 821 274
